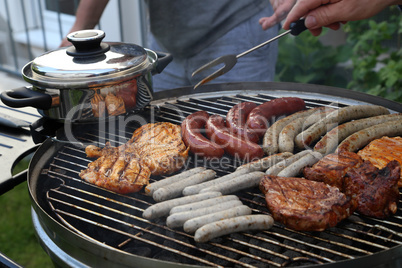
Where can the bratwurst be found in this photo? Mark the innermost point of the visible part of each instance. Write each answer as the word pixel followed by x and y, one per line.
pixel 233 145
pixel 236 121
pixel 260 117
pixel 191 133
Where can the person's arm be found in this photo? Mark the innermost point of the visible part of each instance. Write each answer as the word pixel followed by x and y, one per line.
pixel 87 16
pixel 330 13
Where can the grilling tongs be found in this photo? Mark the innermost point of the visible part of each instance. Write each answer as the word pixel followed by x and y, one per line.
pixel 230 60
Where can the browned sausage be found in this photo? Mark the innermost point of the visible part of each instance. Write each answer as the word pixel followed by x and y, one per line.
pixel 318 129
pixel 260 117
pixel 191 132
pixel 363 137
pixel 236 121
pixel 217 132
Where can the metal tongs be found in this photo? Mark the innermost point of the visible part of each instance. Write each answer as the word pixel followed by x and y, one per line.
pixel 229 61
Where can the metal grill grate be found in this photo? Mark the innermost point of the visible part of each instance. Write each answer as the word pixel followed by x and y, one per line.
pixel 116 220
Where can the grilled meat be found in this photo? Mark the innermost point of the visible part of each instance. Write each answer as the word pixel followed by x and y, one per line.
pixel 93 151
pixel 305 205
pixel 114 104
pixel 381 151
pixel 332 168
pixel 376 191
pixel 117 172
pixel 153 149
pixel 160 147
pixel 98 105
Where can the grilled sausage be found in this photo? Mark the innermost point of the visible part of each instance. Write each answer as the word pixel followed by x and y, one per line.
pixel 331 140
pixel 195 189
pixel 236 184
pixel 232 225
pixel 270 143
pixel 265 163
pixel 175 189
pixel 162 209
pixel 287 135
pixel 296 167
pixel 191 225
pixel 363 137
pixel 307 137
pixel 178 219
pixel 275 169
pixel 236 121
pixel 260 117
pixel 152 187
pixel 217 132
pixel 203 203
pixel 191 132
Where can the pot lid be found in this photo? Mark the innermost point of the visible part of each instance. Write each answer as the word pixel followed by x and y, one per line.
pixel 89 61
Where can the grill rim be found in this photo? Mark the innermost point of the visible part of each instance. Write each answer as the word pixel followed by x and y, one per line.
pixel 279 87
pixel 60 233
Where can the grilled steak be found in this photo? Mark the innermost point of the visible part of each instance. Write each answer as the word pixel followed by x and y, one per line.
pixel 117 171
pixel 305 205
pixel 153 149
pixel 160 147
pixel 376 191
pixel 381 151
pixel 332 168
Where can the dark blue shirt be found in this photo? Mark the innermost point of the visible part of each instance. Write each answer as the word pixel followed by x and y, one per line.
pixel 185 27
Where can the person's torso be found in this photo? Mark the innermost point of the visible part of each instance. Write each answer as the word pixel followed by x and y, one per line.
pixel 185 27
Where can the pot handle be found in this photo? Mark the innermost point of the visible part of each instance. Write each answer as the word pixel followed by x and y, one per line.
pixel 25 96
pixel 163 60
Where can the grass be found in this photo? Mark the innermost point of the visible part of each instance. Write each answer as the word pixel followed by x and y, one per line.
pixel 17 237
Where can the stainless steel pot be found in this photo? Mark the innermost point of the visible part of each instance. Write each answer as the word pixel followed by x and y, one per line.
pixel 89 80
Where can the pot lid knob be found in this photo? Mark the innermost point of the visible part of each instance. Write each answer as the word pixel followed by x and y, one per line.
pixel 87 43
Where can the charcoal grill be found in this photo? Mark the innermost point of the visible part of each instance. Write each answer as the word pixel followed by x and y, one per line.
pixel 80 225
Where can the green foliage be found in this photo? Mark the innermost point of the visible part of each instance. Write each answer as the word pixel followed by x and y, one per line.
pixel 377 67
pixel 305 59
pixel 373 65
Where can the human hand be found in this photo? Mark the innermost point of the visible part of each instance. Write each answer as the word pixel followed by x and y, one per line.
pixel 281 9
pixel 331 13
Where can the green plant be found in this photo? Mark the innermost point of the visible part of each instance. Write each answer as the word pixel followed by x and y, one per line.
pixel 373 65
pixel 305 59
pixel 376 66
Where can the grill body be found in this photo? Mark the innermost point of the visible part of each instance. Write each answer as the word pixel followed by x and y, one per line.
pixel 79 224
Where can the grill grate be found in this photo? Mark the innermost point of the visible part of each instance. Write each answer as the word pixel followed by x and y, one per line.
pixel 115 220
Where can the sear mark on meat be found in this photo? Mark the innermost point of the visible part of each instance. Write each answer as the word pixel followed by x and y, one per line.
pixel 332 168
pixel 153 149
pixel 375 190
pixel 305 205
pixel 117 173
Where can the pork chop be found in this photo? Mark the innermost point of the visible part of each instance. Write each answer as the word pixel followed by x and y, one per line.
pixel 305 205
pixel 375 190
pixel 332 168
pixel 381 151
